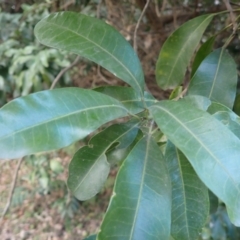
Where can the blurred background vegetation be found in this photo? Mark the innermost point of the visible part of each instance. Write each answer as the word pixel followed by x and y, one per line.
pixel 42 207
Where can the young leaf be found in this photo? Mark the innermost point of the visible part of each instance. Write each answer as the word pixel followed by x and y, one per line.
pixel 140 207
pixel 53 119
pixel 177 51
pixel 95 40
pixel 190 204
pixel 202 53
pixel 212 149
pixel 226 116
pixel 128 97
pixel 216 78
pixel 89 168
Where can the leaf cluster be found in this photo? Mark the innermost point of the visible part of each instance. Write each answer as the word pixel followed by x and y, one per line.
pixel 170 152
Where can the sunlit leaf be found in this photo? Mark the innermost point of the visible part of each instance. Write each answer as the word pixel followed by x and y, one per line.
pixel 95 40
pixel 177 51
pixel 216 78
pixel 212 149
pixel 140 207
pixel 53 119
pixel 89 167
pixel 190 203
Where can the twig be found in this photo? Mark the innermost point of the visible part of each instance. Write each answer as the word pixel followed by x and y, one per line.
pixel 99 8
pixel 236 4
pixel 232 15
pixel 157 9
pixel 12 188
pixel 164 4
pixel 67 4
pixel 101 75
pixel 63 71
pixel 137 26
pixel 181 95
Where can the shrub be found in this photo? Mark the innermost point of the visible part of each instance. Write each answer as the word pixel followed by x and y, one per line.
pixel 171 152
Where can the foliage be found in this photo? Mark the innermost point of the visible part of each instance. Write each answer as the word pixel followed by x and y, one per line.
pixel 25 65
pixel 161 190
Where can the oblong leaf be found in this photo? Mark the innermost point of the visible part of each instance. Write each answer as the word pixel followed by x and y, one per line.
pixel 216 78
pixel 190 203
pixel 212 149
pixel 177 51
pixel 94 40
pixel 53 119
pixel 226 116
pixel 89 167
pixel 140 207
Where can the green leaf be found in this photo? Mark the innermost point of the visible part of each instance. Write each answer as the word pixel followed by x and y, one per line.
pixel 140 207
pixel 190 203
pixel 89 168
pixel 202 53
pixel 92 237
pixel 120 152
pixel 216 78
pixel 226 116
pixel 177 51
pixel 211 148
pixel 95 40
pixel 128 97
pixel 53 119
pixel 197 101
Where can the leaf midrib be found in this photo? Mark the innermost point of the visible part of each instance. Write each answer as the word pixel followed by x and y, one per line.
pixel 104 50
pixel 216 74
pixel 141 187
pixel 60 117
pixel 202 144
pixel 183 186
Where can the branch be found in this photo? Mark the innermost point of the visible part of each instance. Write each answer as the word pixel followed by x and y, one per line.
pixel 137 26
pixel 232 15
pixel 63 71
pixel 12 187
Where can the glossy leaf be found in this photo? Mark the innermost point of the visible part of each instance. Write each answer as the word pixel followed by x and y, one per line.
pixel 128 97
pixel 53 119
pixel 177 51
pixel 211 148
pixel 89 167
pixel 95 40
pixel 226 116
pixel 202 53
pixel 190 203
pixel 140 207
pixel 216 78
